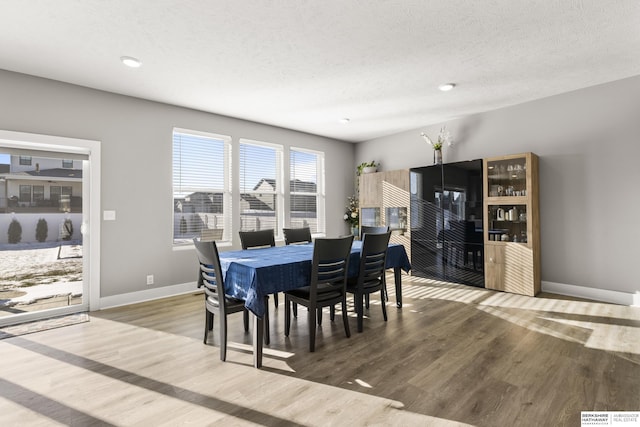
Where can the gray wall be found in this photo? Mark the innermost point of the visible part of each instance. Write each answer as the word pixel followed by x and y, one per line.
pixel 136 168
pixel 589 147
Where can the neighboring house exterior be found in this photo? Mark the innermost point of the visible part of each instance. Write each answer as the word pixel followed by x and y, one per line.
pixel 203 210
pixel 36 184
pixel 262 200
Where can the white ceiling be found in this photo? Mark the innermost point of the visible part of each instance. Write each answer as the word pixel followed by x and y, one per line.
pixel 305 64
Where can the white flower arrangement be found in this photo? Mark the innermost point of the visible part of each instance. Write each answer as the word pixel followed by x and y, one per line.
pixel 351 213
pixel 444 137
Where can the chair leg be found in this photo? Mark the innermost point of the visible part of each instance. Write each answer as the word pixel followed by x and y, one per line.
pixel 223 336
pixel 267 337
pixel 384 306
pixel 319 310
pixel 208 323
pixel 345 319
pixel 332 311
pixel 366 299
pixel 312 328
pixel 275 300
pixel 295 309
pixel 245 318
pixel 287 316
pixel 359 310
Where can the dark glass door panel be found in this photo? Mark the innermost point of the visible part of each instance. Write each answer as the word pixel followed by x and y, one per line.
pixel 446 229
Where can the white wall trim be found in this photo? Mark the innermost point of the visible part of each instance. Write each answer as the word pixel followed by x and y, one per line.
pixel 148 295
pixel 604 295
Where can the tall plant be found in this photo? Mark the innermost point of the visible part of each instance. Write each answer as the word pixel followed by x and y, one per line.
pixel 15 231
pixel 42 230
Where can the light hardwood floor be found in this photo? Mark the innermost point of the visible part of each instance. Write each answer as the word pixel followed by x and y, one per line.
pixel 454 355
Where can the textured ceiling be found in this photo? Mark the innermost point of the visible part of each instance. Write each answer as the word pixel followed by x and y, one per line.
pixel 305 64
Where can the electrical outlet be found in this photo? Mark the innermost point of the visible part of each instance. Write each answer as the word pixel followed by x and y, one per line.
pixel 150 279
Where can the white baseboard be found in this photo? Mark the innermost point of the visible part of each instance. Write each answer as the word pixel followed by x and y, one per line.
pixel 604 295
pixel 147 295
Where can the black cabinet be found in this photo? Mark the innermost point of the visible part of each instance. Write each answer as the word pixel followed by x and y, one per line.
pixel 446 203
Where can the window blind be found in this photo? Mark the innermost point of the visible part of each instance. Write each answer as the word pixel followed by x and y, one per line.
pixel 201 185
pixel 260 178
pixel 306 201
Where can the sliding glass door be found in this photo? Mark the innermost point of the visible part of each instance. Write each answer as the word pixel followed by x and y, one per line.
pixel 44 214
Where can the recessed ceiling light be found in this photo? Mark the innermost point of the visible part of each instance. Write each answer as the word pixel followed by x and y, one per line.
pixel 130 61
pixel 445 87
pixel 345 120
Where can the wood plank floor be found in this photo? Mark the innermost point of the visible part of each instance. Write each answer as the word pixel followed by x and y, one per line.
pixel 454 355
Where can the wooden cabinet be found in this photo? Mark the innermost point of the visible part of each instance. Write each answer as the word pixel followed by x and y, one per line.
pixel 512 224
pixel 384 200
pixel 369 189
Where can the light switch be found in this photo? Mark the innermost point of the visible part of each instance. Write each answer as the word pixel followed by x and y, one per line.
pixel 109 215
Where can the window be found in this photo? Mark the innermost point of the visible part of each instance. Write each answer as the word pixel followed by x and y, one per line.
pixel 260 186
pixel 38 193
pixel 54 194
pixel 25 160
pixel 306 196
pixel 201 185
pixel 25 193
pixel 67 164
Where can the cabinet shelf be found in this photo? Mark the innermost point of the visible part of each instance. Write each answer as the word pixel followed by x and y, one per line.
pixel 508 176
pixel 507 243
pixel 507 221
pixel 507 200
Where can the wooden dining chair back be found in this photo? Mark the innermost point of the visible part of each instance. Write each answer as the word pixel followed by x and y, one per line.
pixel 297 235
pixel 327 286
pixel 257 239
pixel 215 299
pixel 372 230
pixel 371 274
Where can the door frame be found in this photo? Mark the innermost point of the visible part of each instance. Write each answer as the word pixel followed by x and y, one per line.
pixel 90 212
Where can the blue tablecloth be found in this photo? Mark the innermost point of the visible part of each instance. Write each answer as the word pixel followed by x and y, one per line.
pixel 252 274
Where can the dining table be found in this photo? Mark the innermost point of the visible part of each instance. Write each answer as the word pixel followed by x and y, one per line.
pixel 253 274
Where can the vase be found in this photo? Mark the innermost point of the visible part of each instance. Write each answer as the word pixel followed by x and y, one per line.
pixel 437 157
pixel 355 231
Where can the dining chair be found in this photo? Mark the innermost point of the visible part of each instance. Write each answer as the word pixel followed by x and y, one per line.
pixel 257 239
pixel 297 235
pixel 371 274
pixel 294 236
pixel 376 230
pixel 371 229
pixel 327 286
pixel 215 298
